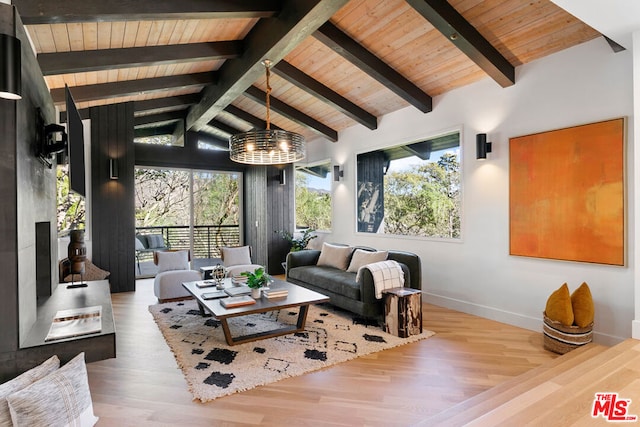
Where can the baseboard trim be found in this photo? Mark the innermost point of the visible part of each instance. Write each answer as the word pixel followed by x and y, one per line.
pixel 635 329
pixel 511 318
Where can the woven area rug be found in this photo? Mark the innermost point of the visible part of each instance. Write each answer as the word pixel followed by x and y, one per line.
pixel 214 369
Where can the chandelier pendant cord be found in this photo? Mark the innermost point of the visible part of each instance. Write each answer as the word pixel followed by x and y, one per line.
pixel 268 103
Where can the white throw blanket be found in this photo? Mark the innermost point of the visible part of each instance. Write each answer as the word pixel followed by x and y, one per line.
pixel 386 275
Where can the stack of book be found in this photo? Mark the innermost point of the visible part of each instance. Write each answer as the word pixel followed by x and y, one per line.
pixel 239 279
pixel 239 301
pixel 275 293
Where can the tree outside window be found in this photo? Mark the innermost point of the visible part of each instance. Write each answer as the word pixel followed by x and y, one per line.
pixel 411 190
pixel 313 197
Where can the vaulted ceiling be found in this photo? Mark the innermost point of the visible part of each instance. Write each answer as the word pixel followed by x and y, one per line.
pixel 195 65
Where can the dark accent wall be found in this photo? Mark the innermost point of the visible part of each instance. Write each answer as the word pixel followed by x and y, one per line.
pixel 113 209
pixel 269 207
pixel 27 192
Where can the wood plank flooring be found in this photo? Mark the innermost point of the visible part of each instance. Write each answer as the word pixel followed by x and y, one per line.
pixel 403 386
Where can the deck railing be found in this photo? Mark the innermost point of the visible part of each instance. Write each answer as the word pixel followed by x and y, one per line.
pixel 207 239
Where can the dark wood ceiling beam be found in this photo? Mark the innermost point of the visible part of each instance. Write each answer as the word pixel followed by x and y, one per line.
pixel 322 92
pixel 292 114
pixel 53 12
pixel 155 131
pixel 355 53
pixel 158 118
pixel 213 140
pixel 108 59
pixel 133 87
pixel 178 102
pixel 271 38
pixel 223 127
pixel 254 121
pixel 465 37
pixel 159 105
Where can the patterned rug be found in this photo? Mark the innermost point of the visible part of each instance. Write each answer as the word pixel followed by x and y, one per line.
pixel 214 369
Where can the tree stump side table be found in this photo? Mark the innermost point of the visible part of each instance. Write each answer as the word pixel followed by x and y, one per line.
pixel 403 311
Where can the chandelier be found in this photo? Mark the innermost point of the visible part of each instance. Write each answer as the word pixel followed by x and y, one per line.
pixel 267 147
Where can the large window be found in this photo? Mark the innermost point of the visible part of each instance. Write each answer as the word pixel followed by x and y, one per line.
pixel 196 210
pixel 313 197
pixel 411 190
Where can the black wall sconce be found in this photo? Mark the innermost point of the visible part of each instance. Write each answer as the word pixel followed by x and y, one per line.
pixel 338 173
pixel 10 66
pixel 482 146
pixel 113 169
pixel 282 177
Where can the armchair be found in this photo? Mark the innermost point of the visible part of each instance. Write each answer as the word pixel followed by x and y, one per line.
pixel 173 270
pixel 237 260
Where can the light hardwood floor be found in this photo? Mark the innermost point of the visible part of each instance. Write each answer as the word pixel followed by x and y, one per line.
pixel 403 386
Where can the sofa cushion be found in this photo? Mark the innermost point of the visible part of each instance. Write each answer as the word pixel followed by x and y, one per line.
pixel 240 255
pixel 168 261
pixel 337 281
pixel 139 244
pixel 155 241
pixel 334 256
pixel 361 258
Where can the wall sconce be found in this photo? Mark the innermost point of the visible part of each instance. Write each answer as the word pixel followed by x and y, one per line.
pixel 10 66
pixel 113 169
pixel 282 177
pixel 482 146
pixel 338 173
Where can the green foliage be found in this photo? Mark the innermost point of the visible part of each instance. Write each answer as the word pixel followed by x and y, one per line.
pixel 163 198
pixel 70 206
pixel 425 200
pixel 257 279
pixel 299 243
pixel 313 207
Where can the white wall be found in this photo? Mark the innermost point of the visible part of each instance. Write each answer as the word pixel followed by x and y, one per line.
pixel 584 84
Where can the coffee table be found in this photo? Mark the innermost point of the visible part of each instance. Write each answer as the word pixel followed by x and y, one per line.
pixel 297 297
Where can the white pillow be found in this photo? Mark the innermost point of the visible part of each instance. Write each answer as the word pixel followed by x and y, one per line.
pixel 20 382
pixel 334 256
pixel 139 245
pixel 361 258
pixel 62 398
pixel 177 260
pixel 240 255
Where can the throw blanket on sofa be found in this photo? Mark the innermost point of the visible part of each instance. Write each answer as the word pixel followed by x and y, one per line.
pixel 386 275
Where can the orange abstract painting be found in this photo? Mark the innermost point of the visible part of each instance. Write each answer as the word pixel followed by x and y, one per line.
pixel 566 194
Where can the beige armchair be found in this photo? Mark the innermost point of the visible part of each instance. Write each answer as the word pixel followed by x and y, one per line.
pixel 237 260
pixel 173 270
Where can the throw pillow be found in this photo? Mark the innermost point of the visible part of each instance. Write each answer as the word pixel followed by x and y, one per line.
pixel 155 241
pixel 361 258
pixel 335 256
pixel 59 399
pixel 91 272
pixel 559 306
pixel 582 303
pixel 172 260
pixel 139 245
pixel 22 381
pixel 240 255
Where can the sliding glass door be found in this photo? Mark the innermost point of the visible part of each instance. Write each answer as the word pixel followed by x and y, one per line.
pixel 195 210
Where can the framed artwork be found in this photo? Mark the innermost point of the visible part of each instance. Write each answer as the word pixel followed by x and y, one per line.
pixel 566 194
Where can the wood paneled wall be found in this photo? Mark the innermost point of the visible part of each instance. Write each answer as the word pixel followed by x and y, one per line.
pixel 269 207
pixel 113 209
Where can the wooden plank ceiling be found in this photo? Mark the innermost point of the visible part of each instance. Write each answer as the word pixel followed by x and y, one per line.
pixel 338 63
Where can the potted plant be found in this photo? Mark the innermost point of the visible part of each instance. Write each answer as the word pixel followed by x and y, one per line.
pixel 299 243
pixel 256 280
